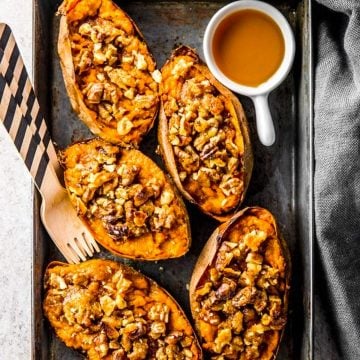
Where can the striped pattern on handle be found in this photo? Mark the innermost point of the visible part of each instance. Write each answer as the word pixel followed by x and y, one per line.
pixel 29 146
pixel 13 69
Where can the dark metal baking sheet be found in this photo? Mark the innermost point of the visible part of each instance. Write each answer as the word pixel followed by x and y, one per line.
pixel 281 181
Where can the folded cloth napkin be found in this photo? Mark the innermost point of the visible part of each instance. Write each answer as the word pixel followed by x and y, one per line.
pixel 337 178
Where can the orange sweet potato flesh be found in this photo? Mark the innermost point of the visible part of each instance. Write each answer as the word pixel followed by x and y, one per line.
pixel 110 311
pixel 126 201
pixel 240 286
pixel 204 136
pixel 108 70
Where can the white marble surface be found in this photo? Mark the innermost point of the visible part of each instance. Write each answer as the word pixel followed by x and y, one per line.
pixel 15 214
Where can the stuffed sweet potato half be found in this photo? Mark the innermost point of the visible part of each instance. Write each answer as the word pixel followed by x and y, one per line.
pixel 126 201
pixel 239 288
pixel 109 73
pixel 110 311
pixel 203 136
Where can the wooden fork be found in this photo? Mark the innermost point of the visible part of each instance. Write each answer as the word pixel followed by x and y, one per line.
pixel 20 114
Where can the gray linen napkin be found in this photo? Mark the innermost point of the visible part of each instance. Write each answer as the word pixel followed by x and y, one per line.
pixel 337 177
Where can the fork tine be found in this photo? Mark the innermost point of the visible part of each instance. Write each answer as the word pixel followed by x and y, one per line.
pixel 79 243
pixel 94 245
pixel 70 256
pixel 64 250
pixel 84 245
pixel 62 246
pixel 90 241
pixel 74 247
pixel 67 252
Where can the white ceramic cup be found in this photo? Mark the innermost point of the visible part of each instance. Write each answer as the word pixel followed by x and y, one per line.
pixel 259 94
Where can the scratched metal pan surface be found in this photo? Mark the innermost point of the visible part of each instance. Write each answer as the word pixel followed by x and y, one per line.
pixel 281 181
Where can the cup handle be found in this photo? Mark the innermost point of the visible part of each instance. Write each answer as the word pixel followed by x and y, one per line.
pixel 264 122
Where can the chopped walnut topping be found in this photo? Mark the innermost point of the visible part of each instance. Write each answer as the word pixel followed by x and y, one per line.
pixel 117 194
pixel 203 135
pixel 240 297
pixel 124 70
pixel 86 314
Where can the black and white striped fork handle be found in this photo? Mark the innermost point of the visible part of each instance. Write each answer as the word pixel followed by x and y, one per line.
pixel 31 150
pixel 13 69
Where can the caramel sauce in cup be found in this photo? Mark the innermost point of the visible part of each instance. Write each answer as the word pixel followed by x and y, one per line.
pixel 249 47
